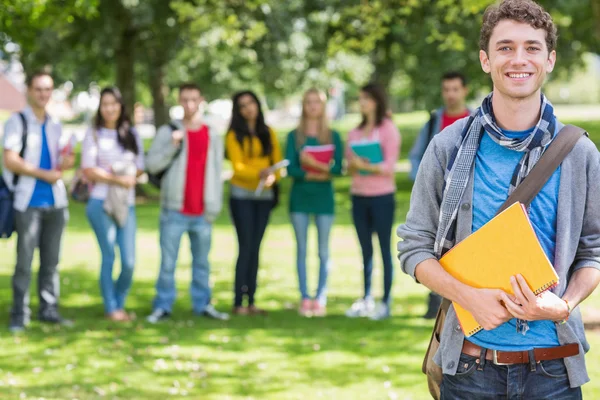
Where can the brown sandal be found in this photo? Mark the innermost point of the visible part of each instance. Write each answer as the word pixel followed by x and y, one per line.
pixel 240 310
pixel 118 316
pixel 253 310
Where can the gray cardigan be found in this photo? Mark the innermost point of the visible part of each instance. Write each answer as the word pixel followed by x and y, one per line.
pixel 172 189
pixel 577 237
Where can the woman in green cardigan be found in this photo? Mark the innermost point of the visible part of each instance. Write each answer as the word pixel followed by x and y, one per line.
pixel 312 190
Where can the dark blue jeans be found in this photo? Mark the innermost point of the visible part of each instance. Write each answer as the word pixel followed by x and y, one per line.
pixel 375 214
pixel 250 218
pixel 540 381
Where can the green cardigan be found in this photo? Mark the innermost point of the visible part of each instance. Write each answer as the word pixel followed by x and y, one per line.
pixel 310 196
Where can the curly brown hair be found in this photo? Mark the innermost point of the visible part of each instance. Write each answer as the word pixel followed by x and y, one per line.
pixel 525 11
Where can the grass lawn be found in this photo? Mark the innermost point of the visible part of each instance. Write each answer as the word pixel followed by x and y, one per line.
pixel 281 356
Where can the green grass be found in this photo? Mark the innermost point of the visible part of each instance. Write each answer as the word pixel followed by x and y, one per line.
pixel 281 356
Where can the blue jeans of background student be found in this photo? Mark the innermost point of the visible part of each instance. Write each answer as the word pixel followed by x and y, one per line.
pixel 300 223
pixel 375 214
pixel 538 381
pixel 173 225
pixel 109 235
pixel 250 218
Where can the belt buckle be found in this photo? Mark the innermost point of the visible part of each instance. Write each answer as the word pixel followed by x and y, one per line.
pixel 495 358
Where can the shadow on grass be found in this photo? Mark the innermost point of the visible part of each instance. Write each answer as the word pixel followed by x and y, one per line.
pixel 189 345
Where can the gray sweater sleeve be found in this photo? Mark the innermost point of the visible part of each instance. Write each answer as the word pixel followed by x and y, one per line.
pixel 588 250
pixel 161 151
pixel 418 233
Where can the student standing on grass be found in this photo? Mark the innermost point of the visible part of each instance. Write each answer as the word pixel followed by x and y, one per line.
pixel 373 202
pixel 312 192
pixel 252 148
pixel 111 141
pixel 499 145
pixel 454 94
pixel 40 201
pixel 191 197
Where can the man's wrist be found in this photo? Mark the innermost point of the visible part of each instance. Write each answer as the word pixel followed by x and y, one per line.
pixel 464 295
pixel 566 313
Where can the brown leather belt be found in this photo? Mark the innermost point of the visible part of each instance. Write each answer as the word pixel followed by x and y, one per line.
pixel 521 357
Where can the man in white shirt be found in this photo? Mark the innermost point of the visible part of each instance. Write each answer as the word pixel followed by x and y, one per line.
pixel 40 200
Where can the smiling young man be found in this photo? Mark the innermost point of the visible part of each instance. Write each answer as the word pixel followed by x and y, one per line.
pixel 467 173
pixel 191 198
pixel 40 200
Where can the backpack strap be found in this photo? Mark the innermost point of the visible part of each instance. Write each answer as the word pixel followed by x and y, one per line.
pixel 174 128
pixel 430 132
pixel 23 146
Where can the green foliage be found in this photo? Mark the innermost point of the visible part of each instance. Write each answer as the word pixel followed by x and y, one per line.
pixel 274 47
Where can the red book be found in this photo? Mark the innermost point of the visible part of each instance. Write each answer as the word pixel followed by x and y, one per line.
pixel 322 154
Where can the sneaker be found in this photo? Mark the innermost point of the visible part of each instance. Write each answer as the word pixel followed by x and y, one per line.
pixel 381 311
pixel 158 315
pixel 318 309
pixel 16 327
pixel 17 324
pixel 52 316
pixel 211 312
pixel 361 308
pixel 305 309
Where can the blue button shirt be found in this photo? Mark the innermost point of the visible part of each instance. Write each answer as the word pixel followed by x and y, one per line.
pixel 494 167
pixel 42 194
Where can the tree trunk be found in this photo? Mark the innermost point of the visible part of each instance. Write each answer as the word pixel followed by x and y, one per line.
pixel 125 68
pixel 596 13
pixel 384 65
pixel 156 74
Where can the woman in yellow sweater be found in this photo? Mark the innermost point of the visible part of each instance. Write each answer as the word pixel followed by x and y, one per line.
pixel 252 147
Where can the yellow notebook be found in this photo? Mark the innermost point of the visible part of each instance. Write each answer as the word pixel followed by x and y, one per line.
pixel 505 246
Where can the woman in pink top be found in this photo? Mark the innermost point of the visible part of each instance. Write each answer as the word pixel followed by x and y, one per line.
pixel 373 187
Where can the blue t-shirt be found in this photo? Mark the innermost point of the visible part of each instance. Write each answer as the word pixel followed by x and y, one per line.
pixel 494 167
pixel 42 193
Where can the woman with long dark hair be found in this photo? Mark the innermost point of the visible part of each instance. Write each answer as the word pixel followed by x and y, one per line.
pixel 112 157
pixel 372 153
pixel 252 147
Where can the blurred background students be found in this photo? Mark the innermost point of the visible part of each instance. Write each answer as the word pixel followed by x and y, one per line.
pixel 252 147
pixel 373 188
pixel 312 191
pixel 112 145
pixel 191 154
pixel 454 94
pixel 33 171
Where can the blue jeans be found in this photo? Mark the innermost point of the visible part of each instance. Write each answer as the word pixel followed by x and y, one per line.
pixel 300 223
pixel 110 234
pixel 173 225
pixel 375 214
pixel 538 381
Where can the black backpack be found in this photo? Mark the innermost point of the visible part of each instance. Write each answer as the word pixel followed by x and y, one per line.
pixel 430 132
pixel 156 179
pixel 7 212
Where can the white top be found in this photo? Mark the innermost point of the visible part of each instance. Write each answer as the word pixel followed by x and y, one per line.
pixel 13 140
pixel 105 153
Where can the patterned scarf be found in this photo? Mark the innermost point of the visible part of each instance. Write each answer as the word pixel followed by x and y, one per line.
pixel 459 166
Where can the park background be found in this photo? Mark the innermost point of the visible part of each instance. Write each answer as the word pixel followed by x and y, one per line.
pixel 278 48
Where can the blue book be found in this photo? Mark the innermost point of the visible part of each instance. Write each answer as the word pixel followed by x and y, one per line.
pixel 369 150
